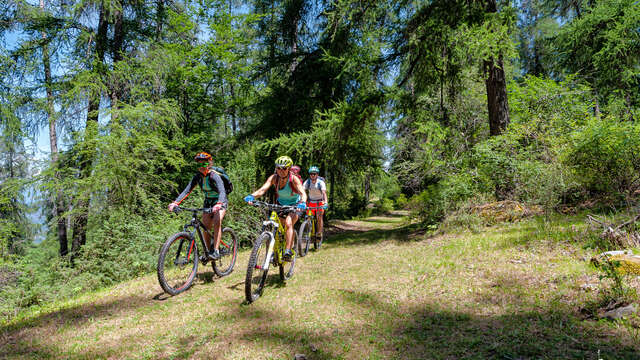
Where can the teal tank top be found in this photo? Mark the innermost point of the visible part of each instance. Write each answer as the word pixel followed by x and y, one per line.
pixel 286 196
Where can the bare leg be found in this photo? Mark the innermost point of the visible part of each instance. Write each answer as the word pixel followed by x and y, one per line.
pixel 319 217
pixel 217 227
pixel 289 222
pixel 207 220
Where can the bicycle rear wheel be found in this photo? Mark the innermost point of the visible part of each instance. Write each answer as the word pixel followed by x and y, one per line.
pixel 228 252
pixel 304 237
pixel 256 270
pixel 178 263
pixel 286 267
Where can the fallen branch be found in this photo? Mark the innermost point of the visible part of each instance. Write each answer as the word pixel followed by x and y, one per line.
pixel 615 234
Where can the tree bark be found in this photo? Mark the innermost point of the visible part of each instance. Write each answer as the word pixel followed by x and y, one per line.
pixel 496 85
pixel 58 201
pixel 234 120
pixel 116 52
pixel 81 207
pixel 497 103
pixel 160 15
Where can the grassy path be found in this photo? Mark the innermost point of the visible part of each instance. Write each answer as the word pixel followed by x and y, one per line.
pixel 377 289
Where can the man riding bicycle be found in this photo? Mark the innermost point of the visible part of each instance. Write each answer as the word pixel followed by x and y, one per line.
pixel 289 191
pixel 317 195
pixel 215 197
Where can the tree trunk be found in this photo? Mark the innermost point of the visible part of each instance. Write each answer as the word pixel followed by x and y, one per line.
pixel 116 53
pixel 81 205
pixel 160 15
pixel 58 201
pixel 496 84
pixel 627 99
pixel 367 188
pixel 497 102
pixel 234 121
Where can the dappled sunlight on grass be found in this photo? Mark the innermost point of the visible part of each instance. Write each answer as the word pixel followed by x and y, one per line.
pixel 511 291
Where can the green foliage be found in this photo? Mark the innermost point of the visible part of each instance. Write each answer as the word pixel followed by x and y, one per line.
pixel 401 202
pixel 616 289
pixel 384 206
pixel 605 156
pixel 603 46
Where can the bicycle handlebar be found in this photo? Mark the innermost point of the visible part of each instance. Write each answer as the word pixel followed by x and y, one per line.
pixel 177 209
pixel 276 207
pixel 317 208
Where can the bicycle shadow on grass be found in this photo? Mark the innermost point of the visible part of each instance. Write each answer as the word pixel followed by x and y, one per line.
pixel 207 277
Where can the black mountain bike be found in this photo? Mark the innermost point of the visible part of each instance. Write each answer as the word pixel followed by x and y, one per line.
pixel 269 249
pixel 178 261
pixel 308 231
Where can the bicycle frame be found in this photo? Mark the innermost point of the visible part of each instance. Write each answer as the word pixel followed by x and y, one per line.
pixel 275 234
pixel 314 220
pixel 198 227
pixel 276 230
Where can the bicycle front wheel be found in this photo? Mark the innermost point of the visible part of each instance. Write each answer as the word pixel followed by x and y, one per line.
pixel 286 267
pixel 256 269
pixel 178 263
pixel 228 252
pixel 304 237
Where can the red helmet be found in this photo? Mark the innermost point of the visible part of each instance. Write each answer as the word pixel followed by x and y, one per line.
pixel 202 156
pixel 295 169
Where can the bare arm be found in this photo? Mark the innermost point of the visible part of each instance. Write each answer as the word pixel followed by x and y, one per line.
pixel 263 189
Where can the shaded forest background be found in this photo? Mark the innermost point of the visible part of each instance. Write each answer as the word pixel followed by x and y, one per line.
pixel 432 106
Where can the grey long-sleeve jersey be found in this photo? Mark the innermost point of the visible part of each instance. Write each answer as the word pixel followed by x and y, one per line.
pixel 198 179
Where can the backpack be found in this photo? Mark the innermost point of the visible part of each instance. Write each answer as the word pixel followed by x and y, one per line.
pixel 228 185
pixel 307 183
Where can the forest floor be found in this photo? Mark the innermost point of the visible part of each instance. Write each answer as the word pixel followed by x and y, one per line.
pixel 378 289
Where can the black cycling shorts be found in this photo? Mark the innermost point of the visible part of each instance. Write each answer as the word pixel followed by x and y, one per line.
pixel 209 203
pixel 284 213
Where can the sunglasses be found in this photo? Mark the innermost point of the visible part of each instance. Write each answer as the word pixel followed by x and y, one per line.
pixel 282 168
pixel 312 174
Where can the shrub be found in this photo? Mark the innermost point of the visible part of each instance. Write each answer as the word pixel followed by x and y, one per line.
pixel 401 202
pixel 384 206
pixel 605 155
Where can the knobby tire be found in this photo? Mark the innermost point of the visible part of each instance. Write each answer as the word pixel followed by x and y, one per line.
pixel 304 237
pixel 286 267
pixel 256 278
pixel 224 265
pixel 178 263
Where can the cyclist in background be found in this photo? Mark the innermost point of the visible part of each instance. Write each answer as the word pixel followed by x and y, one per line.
pixel 317 195
pixel 289 191
pixel 295 170
pixel 215 197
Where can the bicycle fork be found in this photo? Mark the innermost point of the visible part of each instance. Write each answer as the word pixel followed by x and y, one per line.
pixel 272 242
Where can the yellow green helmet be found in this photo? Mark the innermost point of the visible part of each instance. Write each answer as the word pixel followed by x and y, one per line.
pixel 284 161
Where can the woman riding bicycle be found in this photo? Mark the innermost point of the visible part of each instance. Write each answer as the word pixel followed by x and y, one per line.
pixel 317 195
pixel 289 192
pixel 215 197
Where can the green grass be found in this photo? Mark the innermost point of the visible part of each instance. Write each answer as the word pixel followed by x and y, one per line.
pixel 508 292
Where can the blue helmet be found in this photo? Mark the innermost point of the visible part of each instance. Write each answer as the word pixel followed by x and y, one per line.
pixel 314 169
